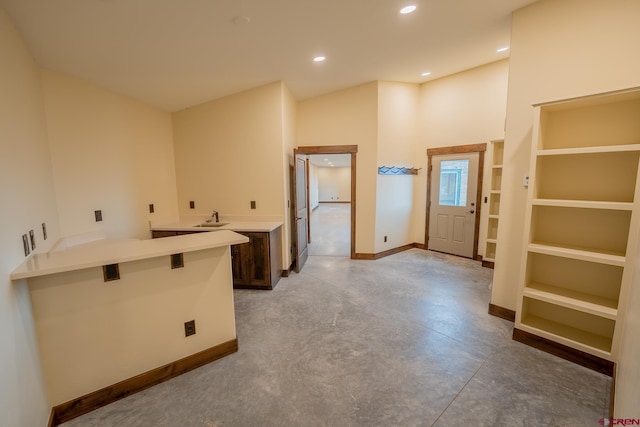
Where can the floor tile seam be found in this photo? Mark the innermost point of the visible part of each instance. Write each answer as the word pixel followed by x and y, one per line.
pixel 459 341
pixel 484 361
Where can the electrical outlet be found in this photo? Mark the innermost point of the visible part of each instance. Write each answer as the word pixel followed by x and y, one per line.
pixel 151 208
pixel 32 239
pixel 253 204
pixel 192 204
pixel 25 244
pixel 98 215
pixel 385 239
pixel 44 231
pixel 189 328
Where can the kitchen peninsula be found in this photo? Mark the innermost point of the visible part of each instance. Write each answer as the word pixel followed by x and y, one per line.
pixel 256 265
pixel 112 316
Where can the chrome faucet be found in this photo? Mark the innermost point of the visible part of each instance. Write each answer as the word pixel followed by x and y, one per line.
pixel 214 215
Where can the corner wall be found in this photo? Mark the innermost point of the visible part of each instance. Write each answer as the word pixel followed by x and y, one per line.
pixel 110 153
pixel 28 200
pixel 348 117
pixel 461 109
pixel 397 139
pixel 229 152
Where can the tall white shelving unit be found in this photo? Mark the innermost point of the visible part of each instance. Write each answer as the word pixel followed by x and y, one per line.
pixel 497 155
pixel 582 221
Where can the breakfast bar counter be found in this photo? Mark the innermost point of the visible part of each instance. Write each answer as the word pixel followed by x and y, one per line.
pixel 113 317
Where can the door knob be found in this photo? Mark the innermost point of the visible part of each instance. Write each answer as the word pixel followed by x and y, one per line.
pixel 472 211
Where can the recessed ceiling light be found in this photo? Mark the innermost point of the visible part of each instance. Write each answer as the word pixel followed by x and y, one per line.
pixel 241 20
pixel 503 49
pixel 319 59
pixel 426 73
pixel 408 9
pixel 326 160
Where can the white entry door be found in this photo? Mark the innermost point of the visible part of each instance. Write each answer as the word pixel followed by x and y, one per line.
pixel 452 213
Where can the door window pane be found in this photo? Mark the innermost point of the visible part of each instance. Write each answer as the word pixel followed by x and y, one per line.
pixel 454 176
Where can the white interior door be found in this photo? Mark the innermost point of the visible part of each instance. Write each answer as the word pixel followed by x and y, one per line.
pixel 452 213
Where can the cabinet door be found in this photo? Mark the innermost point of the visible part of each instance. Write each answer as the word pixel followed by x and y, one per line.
pixel 251 261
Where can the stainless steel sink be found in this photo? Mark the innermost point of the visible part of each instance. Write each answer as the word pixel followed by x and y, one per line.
pixel 211 224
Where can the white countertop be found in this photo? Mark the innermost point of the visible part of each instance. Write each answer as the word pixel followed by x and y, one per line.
pixel 110 251
pixel 190 223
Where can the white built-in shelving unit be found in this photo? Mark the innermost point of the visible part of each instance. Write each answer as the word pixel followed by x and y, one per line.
pixel 582 221
pixel 497 155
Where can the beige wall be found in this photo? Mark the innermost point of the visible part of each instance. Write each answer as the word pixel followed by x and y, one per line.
pixel 313 186
pixel 348 117
pixel 561 49
pixel 465 108
pixel 75 310
pixel 229 152
pixel 28 199
pixel 334 184
pixel 109 152
pixel 397 140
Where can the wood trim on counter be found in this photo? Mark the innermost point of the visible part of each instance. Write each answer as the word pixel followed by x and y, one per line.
pixel 91 401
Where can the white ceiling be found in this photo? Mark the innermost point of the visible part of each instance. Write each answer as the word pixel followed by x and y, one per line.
pixel 176 53
pixel 331 160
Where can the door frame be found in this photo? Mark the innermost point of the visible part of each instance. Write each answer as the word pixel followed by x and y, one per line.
pixel 337 149
pixel 457 149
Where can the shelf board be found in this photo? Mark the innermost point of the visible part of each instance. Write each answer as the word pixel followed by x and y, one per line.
pixel 491 240
pixel 495 192
pixel 575 300
pixel 578 252
pixel 588 150
pixel 568 335
pixel 486 258
pixel 494 216
pixel 584 254
pixel 496 167
pixel 588 204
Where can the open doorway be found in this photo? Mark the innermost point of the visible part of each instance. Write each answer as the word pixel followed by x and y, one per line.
pixel 330 205
pixel 300 207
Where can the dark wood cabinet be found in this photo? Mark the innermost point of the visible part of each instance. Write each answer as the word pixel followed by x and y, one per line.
pixel 255 265
pixel 158 234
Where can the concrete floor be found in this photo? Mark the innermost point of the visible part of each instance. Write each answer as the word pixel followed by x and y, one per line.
pixel 402 341
pixel 330 225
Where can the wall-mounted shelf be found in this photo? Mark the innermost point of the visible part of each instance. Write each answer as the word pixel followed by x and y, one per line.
pixel 395 170
pixel 583 205
pixel 497 150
